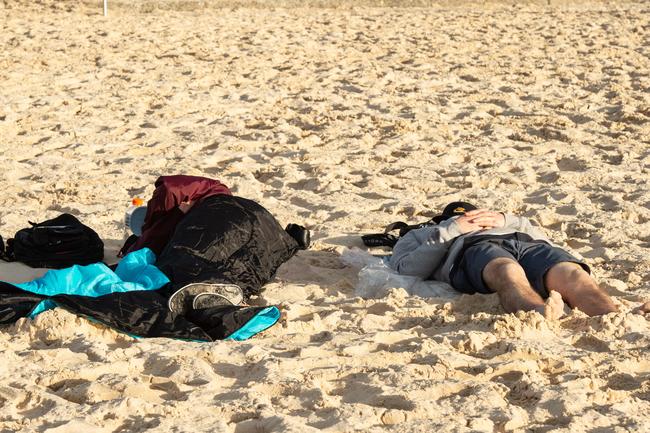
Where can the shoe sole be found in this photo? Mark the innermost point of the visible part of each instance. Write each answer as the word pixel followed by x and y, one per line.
pixel 209 300
pixel 179 300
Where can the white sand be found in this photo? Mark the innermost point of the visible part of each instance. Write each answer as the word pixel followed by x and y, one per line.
pixel 344 120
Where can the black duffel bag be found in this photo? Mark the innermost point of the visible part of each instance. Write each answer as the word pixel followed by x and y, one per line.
pixel 57 243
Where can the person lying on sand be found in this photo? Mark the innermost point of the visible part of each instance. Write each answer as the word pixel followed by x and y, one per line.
pixel 484 251
pixel 216 248
pixel 225 248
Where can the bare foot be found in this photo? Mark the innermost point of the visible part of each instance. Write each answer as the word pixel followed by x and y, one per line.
pixel 554 306
pixel 643 310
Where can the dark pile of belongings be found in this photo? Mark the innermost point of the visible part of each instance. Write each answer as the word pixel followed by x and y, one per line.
pixel 222 239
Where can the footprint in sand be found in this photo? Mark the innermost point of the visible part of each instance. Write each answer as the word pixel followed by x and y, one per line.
pixel 571 164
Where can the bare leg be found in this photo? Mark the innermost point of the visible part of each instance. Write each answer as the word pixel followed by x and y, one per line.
pixel 578 289
pixel 507 278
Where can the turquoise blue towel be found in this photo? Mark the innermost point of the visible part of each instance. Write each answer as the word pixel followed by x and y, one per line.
pixel 261 321
pixel 135 272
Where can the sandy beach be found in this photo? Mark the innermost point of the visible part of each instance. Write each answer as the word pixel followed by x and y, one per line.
pixel 344 120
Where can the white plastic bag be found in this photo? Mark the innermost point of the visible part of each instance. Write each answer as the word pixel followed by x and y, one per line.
pixel 376 278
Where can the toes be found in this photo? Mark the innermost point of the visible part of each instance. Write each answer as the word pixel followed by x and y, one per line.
pixel 554 306
pixel 643 309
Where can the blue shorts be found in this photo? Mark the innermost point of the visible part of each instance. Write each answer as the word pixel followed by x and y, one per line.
pixel 535 257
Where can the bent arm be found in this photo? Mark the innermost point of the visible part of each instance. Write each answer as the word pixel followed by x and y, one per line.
pixel 523 225
pixel 421 251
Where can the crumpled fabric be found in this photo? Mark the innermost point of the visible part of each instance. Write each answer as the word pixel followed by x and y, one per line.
pixel 134 273
pixel 163 213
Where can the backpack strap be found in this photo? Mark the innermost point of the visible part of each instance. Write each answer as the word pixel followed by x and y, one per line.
pixel 386 239
pixel 397 225
pixel 379 240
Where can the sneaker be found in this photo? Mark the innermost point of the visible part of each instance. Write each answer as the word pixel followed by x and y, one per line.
pixel 209 300
pixel 184 299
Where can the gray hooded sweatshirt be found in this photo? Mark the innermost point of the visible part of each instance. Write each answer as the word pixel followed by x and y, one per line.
pixel 430 252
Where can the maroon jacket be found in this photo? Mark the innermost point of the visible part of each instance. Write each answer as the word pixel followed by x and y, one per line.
pixel 162 210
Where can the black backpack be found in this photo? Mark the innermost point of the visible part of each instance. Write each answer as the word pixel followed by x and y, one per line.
pixel 57 243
